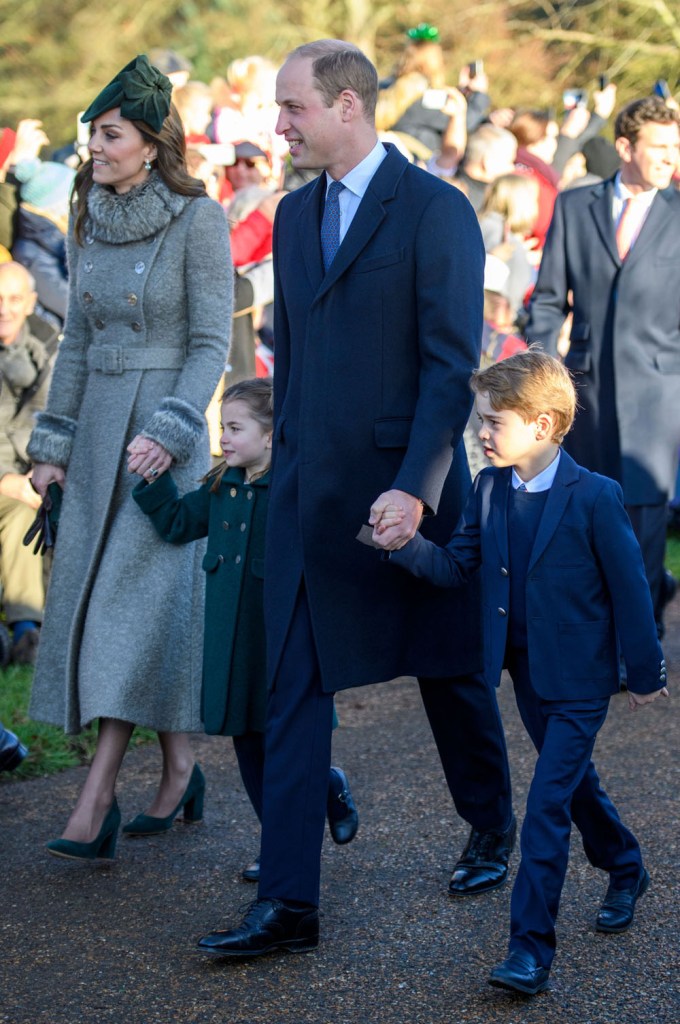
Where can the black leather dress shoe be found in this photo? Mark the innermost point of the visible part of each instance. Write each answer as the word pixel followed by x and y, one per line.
pixel 618 907
pixel 484 862
pixel 12 750
pixel 520 973
pixel 251 873
pixel 270 924
pixel 343 818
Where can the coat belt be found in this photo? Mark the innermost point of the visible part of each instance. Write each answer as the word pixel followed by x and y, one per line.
pixel 116 359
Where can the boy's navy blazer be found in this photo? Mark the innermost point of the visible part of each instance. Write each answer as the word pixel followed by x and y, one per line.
pixel 586 590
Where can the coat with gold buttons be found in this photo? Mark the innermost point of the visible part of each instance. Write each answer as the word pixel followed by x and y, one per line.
pixel 234 687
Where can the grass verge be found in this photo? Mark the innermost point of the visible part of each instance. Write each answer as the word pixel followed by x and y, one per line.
pixel 50 749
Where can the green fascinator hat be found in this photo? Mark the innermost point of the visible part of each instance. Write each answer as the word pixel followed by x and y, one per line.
pixel 423 33
pixel 141 91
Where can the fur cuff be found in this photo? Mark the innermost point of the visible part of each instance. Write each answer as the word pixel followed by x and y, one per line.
pixel 52 439
pixel 178 426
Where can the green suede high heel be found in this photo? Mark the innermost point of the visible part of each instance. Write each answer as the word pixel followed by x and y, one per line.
pixel 192 802
pixel 103 846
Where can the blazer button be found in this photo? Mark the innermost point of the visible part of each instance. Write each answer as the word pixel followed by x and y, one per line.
pixel 504 571
pixel 502 611
pixel 225 525
pixel 237 559
pixel 233 492
pixel 137 327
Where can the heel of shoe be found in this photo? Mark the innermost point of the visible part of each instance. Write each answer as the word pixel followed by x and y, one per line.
pixel 193 806
pixel 107 846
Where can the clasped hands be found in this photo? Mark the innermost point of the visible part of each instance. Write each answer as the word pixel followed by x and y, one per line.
pixel 147 458
pixel 395 517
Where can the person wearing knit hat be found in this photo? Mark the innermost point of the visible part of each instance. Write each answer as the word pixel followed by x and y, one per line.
pixel 40 241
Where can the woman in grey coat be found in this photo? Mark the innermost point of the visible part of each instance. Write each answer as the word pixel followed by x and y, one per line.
pixel 145 342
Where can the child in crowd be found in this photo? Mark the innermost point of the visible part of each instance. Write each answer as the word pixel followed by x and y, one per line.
pixel 230 509
pixel 565 595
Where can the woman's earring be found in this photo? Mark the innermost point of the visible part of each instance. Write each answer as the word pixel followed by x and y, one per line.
pixel 147 165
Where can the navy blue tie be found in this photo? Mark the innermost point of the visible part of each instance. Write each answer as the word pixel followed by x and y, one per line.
pixel 522 487
pixel 330 225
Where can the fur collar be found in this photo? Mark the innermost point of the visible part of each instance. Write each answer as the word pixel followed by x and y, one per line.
pixel 135 215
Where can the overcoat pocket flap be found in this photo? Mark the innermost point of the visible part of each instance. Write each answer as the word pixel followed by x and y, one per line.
pixel 211 560
pixel 393 431
pixel 387 259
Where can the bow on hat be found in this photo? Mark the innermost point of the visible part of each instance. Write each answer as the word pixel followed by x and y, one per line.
pixel 142 92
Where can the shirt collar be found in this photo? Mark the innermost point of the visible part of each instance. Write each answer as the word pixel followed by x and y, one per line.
pixel 358 178
pixel 622 193
pixel 543 481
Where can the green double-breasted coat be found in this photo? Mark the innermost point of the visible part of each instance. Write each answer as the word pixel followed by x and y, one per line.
pixel 234 689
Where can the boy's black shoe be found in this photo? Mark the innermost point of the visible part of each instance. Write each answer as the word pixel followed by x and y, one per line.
pixel 617 910
pixel 484 862
pixel 270 924
pixel 12 750
pixel 520 973
pixel 343 817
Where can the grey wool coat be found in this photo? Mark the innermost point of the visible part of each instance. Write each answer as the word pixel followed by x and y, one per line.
pixel 145 341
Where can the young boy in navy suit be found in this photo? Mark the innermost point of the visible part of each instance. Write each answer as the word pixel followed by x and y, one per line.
pixel 565 595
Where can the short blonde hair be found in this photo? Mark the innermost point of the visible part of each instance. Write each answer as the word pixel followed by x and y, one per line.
pixel 530 383
pixel 515 197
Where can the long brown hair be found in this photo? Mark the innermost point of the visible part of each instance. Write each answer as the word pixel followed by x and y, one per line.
pixel 258 394
pixel 170 163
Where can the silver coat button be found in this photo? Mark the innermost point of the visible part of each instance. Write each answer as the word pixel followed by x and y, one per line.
pixel 87 266
pixel 504 571
pixel 132 299
pixel 140 267
pixel 233 492
pixel 502 611
pixel 249 495
pixel 225 525
pixel 243 527
pixel 237 559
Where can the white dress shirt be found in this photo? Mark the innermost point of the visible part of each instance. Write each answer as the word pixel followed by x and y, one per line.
pixel 543 481
pixel 356 182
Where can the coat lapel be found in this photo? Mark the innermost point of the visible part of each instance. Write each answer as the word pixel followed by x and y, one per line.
pixel 556 502
pixel 309 227
pixel 601 210
pixel 368 218
pixel 499 513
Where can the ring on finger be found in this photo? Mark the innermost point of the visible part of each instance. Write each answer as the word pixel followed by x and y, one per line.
pixel 153 472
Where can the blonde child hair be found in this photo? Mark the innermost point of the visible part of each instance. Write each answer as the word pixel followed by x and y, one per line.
pixel 530 383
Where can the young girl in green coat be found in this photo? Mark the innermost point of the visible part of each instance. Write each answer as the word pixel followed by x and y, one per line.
pixel 230 509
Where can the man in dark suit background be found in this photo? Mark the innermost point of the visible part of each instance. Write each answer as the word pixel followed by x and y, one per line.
pixel 613 255
pixel 378 316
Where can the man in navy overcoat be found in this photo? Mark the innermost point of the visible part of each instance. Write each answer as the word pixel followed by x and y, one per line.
pixel 378 318
pixel 625 335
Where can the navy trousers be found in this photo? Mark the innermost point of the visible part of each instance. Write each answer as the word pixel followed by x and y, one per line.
pixel 565 788
pixel 466 724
